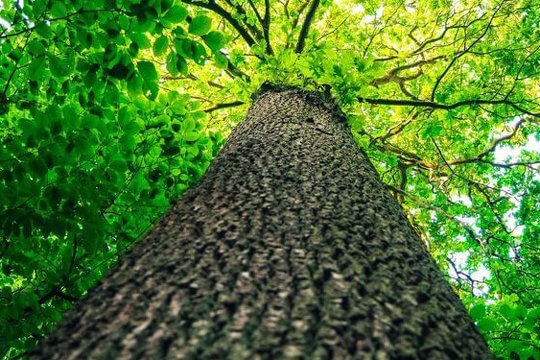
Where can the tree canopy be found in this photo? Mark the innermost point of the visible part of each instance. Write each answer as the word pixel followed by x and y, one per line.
pixel 110 109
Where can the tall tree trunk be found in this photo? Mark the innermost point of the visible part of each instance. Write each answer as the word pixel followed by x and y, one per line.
pixel 289 247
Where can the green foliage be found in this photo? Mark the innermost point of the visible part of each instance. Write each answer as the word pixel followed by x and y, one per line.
pixel 92 151
pixel 200 25
pixel 110 110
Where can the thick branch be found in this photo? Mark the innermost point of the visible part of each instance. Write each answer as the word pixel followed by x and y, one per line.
pixel 392 75
pixel 295 20
pixel 266 27
pixel 257 14
pixel 305 27
pixel 435 105
pixel 225 15
pixel 264 22
pixel 224 105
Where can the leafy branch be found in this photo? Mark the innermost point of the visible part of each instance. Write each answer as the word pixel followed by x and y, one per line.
pixel 240 10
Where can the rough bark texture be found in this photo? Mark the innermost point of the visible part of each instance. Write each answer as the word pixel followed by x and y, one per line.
pixel 289 247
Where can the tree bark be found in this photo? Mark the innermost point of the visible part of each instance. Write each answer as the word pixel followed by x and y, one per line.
pixel 289 247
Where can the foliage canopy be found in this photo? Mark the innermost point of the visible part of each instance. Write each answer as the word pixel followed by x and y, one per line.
pixel 110 109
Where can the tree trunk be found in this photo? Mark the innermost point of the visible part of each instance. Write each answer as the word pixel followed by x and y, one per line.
pixel 289 247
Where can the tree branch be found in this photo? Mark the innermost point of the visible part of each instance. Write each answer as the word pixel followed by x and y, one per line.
pixel 254 29
pixel 460 54
pixel 472 182
pixel 56 291
pixel 491 148
pixel 305 27
pixel 257 14
pixel 223 106
pixel 392 75
pixel 265 23
pixel 435 105
pixel 212 6
pixel 233 71
pixel 266 27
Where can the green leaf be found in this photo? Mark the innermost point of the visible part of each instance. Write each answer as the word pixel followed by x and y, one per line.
pixel 134 85
pixel 507 311
pixel 221 61
pixel 160 45
pixel 36 68
pixel 131 128
pixel 191 49
pixel 147 71
pixel 141 40
pixel 432 130
pixel 38 7
pixel 43 29
pixel 200 25
pixel 214 40
pixel 478 311
pixel 58 9
pixel 486 324
pixel 57 66
pixel 174 15
pixel 181 65
pixel 171 64
pixel 36 47
pixel 191 136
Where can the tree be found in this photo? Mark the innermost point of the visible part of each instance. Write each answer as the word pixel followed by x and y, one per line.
pixel 112 109
pixel 290 246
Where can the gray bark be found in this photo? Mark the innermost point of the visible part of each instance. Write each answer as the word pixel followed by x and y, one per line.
pixel 289 247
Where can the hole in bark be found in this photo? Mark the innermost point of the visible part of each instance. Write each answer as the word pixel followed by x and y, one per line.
pixel 229 241
pixel 310 120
